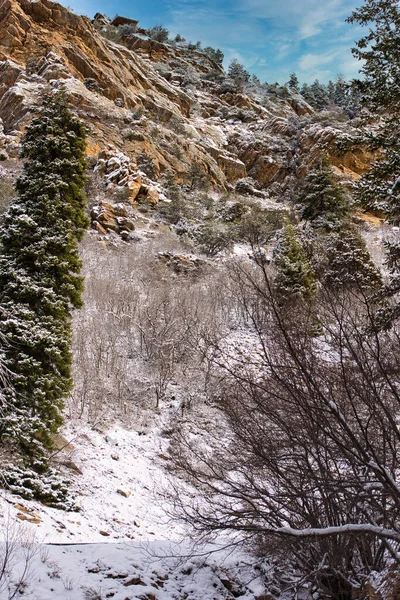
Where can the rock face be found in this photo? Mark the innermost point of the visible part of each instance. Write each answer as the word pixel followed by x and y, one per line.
pixel 108 217
pixel 139 96
pixel 119 170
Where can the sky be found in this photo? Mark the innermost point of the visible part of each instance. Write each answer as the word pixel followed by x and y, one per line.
pixel 271 38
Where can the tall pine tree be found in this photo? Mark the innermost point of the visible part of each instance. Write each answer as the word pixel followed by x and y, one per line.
pixel 295 277
pixel 324 204
pixel 39 273
pixel 379 189
pixel 348 263
pixel 293 83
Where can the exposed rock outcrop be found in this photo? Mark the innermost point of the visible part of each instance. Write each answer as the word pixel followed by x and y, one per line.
pixel 144 96
pixel 108 217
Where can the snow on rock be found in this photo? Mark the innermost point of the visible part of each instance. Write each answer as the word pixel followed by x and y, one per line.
pixel 133 570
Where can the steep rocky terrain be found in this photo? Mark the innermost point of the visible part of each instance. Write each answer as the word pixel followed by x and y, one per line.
pixel 143 96
pixel 160 124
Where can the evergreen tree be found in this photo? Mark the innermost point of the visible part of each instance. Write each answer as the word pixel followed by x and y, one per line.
pixel 295 278
pixel 308 94
pixel 255 81
pixel 379 92
pixel 341 91
pixel 39 273
pixel 238 73
pixel 331 92
pixel 320 94
pixel 293 83
pixel 348 262
pixel 215 55
pixel 324 204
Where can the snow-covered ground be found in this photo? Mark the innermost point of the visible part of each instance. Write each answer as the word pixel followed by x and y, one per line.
pixel 121 544
pixel 123 571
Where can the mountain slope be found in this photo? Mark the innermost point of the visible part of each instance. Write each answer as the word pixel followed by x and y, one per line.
pixel 153 98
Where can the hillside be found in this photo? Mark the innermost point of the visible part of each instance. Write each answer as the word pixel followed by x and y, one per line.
pixel 224 226
pixel 159 101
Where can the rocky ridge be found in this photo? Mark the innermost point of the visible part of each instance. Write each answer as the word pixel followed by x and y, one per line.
pixel 143 96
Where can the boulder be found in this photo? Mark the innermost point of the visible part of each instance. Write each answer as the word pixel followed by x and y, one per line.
pixel 134 188
pixel 152 195
pixel 124 493
pixel 29 518
pixel 118 20
pixel 110 217
pixel 119 170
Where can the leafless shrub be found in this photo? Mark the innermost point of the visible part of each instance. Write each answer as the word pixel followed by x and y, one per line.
pixel 308 469
pixel 17 550
pixel 68 583
pixel 141 330
pixel 93 594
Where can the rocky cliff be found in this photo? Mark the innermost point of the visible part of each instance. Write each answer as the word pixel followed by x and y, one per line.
pixel 141 96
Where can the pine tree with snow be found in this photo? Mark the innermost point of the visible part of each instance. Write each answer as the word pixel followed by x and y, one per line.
pixel 320 95
pixel 379 93
pixel 295 278
pixel 330 89
pixel 348 263
pixel 293 83
pixel 324 204
pixel 341 93
pixel 308 94
pixel 40 280
pixel 238 73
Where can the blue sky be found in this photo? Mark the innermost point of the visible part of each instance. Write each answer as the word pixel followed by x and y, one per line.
pixel 271 38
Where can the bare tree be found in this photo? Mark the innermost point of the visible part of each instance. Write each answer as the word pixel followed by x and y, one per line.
pixel 142 328
pixel 311 462
pixel 17 550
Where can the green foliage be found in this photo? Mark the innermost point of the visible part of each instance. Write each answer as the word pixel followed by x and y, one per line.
pixel 293 83
pixel 39 273
pixel 295 278
pixel 232 212
pixel 348 262
pixel 341 91
pixel 324 204
pixel 213 238
pixel 380 96
pixel 158 33
pixel 51 489
pixel 339 94
pixel 238 74
pixel 178 208
pixel 197 176
pixel 320 95
pixel 258 226
pixel 308 95
pixel 178 38
pixel 216 55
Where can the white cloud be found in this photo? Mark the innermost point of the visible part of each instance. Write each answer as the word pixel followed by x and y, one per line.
pixel 310 62
pixel 305 17
pixel 267 36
